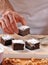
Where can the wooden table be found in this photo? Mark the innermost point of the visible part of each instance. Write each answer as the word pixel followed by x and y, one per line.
pixel 41 53
pixel 26 37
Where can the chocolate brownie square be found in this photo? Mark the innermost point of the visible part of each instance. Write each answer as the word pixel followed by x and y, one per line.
pixel 18 44
pixel 6 40
pixel 24 30
pixel 32 44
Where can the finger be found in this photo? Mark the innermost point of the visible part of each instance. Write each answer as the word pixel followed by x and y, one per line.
pixel 20 19
pixel 6 31
pixel 7 22
pixel 7 12
pixel 0 23
pixel 5 28
pixel 13 23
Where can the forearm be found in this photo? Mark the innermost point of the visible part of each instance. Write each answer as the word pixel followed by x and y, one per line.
pixel 5 5
pixel 8 5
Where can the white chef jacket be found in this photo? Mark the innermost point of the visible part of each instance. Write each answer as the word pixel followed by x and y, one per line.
pixel 35 13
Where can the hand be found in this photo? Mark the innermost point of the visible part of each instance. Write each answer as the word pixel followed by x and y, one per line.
pixel 9 22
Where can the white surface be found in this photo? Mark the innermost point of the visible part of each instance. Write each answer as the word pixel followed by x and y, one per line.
pixel 33 41
pixel 1 53
pixel 24 27
pixel 18 41
pixel 6 37
pixel 1 49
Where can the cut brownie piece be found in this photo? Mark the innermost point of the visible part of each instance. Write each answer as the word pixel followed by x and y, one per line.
pixel 24 30
pixel 6 40
pixel 32 44
pixel 18 44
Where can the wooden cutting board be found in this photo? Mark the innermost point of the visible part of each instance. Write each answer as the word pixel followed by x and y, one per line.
pixel 39 53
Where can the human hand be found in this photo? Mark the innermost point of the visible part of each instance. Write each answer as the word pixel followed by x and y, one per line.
pixel 9 22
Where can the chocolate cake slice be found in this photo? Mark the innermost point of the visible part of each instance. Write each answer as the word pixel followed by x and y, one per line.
pixel 32 44
pixel 18 44
pixel 24 30
pixel 6 40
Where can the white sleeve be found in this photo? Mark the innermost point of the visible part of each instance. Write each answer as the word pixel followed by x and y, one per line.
pixel 35 12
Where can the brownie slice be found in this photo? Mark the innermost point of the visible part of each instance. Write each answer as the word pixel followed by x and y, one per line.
pixel 6 40
pixel 24 30
pixel 32 44
pixel 18 44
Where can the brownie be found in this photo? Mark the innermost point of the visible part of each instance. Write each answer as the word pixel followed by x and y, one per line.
pixel 6 40
pixel 24 30
pixel 32 44
pixel 18 44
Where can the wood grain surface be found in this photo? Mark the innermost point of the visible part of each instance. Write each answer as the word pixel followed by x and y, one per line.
pixel 40 53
